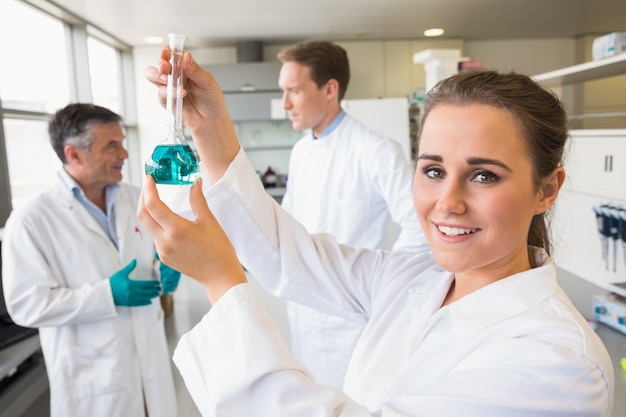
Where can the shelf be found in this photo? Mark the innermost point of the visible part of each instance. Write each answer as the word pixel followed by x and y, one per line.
pixel 607 67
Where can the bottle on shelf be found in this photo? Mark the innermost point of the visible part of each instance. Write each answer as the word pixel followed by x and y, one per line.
pixel 269 178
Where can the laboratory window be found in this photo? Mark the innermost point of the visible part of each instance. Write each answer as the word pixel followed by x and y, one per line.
pixel 104 69
pixel 65 62
pixel 34 74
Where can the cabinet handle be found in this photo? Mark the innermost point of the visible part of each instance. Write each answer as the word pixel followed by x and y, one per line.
pixel 608 163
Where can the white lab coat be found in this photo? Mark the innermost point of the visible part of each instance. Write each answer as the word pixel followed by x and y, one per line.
pixel 517 347
pixel 101 359
pixel 347 183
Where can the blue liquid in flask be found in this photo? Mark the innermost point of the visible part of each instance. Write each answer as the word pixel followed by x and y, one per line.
pixel 173 164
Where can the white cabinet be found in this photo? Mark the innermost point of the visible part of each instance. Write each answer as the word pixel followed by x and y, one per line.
pixel 246 76
pixel 251 106
pixel 249 88
pixel 596 170
pixel 595 164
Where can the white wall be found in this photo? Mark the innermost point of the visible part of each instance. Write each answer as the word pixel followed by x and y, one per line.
pixel 532 56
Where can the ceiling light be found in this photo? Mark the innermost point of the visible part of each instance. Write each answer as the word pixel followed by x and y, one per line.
pixel 154 40
pixel 433 32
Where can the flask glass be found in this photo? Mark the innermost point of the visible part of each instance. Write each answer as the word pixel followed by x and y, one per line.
pixel 172 160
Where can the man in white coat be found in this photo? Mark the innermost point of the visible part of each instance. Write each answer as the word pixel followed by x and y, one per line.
pixel 344 179
pixel 79 266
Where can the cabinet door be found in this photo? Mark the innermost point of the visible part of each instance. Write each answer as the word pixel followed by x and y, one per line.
pixel 250 106
pixel 596 164
pixel 246 76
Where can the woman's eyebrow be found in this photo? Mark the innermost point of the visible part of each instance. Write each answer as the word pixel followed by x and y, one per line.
pixel 487 161
pixel 470 161
pixel 430 157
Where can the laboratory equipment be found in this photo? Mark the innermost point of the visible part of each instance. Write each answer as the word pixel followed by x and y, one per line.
pixel 618 288
pixel 622 230
pixel 173 161
pixel 269 178
pixel 603 230
pixel 614 221
pixel 610 309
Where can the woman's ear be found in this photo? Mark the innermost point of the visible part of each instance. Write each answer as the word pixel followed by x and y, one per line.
pixel 549 189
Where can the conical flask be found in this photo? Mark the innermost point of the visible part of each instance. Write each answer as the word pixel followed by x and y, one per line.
pixel 173 161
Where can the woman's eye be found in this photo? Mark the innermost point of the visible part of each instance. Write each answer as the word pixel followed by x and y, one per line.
pixel 434 172
pixel 485 177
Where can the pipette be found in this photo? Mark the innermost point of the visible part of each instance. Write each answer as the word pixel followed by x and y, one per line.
pixel 622 230
pixel 614 221
pixel 603 231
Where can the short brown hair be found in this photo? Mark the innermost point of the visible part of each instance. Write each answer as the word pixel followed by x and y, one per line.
pixel 324 59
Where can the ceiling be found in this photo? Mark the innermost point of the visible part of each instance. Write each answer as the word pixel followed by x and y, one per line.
pixel 226 22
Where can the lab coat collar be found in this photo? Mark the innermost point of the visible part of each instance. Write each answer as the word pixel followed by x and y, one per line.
pixel 63 185
pixel 505 298
pixel 495 302
pixel 112 190
pixel 63 188
pixel 434 285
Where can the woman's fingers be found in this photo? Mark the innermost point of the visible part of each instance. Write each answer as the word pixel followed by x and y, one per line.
pixel 198 203
pixel 156 216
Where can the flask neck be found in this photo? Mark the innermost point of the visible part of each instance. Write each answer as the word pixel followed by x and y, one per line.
pixel 174 103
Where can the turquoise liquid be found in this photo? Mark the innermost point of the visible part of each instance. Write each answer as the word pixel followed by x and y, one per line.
pixel 173 164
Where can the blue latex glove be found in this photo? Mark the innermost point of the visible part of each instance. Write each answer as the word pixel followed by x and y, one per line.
pixel 169 277
pixel 130 292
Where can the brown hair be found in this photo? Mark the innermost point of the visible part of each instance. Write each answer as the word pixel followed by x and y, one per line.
pixel 324 59
pixel 541 116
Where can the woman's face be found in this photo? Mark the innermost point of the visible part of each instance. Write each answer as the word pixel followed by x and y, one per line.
pixel 473 191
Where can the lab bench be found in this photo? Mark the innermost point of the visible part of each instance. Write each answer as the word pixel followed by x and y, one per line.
pixel 581 292
pixel 24 378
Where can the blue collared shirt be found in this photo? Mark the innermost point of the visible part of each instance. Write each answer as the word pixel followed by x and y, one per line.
pixel 105 220
pixel 331 126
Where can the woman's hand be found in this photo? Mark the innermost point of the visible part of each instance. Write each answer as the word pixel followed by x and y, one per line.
pixel 199 249
pixel 204 112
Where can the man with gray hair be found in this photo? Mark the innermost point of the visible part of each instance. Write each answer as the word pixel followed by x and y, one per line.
pixel 80 267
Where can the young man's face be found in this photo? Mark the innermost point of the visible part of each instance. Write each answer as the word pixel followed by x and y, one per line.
pixel 308 106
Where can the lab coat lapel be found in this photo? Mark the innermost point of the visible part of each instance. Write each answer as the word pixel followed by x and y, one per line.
pixel 66 198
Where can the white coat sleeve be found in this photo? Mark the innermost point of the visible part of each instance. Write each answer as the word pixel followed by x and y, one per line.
pixel 287 201
pixel 37 296
pixel 236 363
pixel 313 270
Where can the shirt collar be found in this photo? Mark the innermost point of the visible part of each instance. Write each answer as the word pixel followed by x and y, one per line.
pixel 111 190
pixel 331 126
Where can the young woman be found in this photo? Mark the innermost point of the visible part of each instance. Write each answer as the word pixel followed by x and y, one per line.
pixel 479 329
